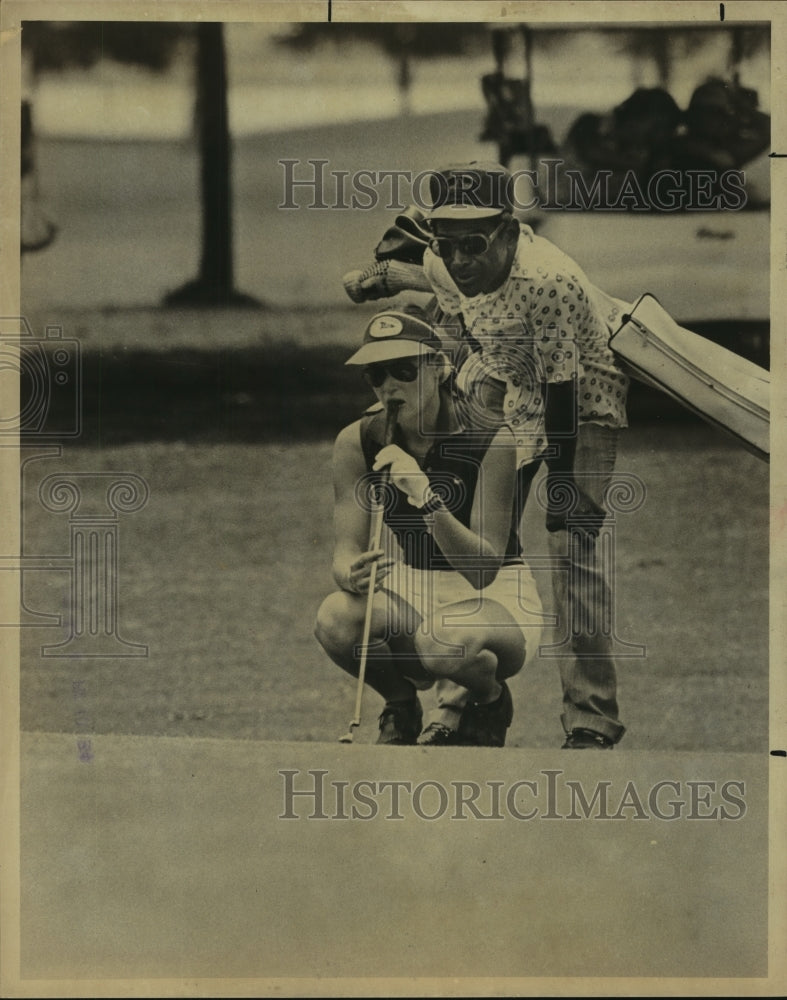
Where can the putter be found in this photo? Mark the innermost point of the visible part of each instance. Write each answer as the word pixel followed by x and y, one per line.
pixel 375 535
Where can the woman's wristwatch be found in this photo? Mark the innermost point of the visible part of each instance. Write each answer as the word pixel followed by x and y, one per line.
pixel 433 502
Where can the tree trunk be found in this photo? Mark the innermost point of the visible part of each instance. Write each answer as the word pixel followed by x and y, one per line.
pixel 527 38
pixel 736 55
pixel 662 56
pixel 404 80
pixel 36 230
pixel 215 284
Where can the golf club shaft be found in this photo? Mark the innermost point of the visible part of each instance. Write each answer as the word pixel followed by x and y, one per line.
pixel 367 625
pixel 375 537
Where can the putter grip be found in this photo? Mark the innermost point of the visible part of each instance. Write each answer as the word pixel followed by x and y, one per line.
pixel 376 530
pixel 391 413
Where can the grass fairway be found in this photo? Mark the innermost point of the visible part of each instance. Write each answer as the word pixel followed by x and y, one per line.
pixel 228 417
pixel 221 573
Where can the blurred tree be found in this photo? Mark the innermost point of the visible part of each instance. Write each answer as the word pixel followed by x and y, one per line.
pixel 54 46
pixel 215 283
pixel 746 42
pixel 402 42
pixel 59 45
pixel 661 46
pixel 36 231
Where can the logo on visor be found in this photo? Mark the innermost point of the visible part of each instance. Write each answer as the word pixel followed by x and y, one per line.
pixel 385 326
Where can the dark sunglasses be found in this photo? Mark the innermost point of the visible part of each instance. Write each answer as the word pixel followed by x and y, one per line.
pixel 472 245
pixel 401 370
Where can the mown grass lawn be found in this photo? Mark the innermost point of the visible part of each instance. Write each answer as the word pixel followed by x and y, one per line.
pixel 221 573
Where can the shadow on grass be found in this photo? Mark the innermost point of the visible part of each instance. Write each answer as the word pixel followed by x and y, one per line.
pixel 274 393
pixel 249 394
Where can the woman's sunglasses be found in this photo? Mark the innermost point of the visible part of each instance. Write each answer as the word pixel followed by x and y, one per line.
pixel 401 370
pixel 472 245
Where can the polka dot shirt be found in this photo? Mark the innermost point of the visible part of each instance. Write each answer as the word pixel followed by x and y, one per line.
pixel 546 322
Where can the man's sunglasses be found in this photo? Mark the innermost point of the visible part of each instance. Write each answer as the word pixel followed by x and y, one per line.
pixel 401 370
pixel 472 245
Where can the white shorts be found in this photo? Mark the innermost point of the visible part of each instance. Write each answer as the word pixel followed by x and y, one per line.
pixel 430 591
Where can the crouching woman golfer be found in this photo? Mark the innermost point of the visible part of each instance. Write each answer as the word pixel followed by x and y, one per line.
pixel 454 598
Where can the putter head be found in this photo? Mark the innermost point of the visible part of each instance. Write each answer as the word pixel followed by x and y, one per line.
pixel 348 736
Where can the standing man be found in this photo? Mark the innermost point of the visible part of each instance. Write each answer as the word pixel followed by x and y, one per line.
pixel 535 323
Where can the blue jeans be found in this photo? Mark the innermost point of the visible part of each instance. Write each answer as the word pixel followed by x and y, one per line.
pixel 584 600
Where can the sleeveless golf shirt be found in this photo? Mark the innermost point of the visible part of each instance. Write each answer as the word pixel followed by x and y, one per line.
pixel 452 465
